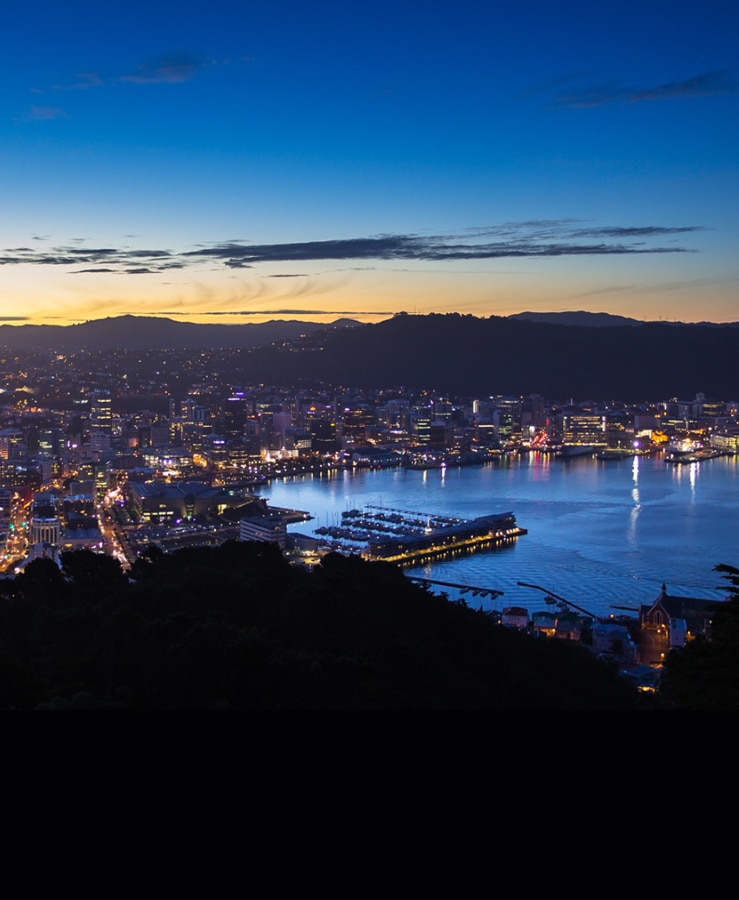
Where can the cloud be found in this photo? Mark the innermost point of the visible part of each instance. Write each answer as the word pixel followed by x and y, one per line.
pixel 168 70
pixel 639 231
pixel 14 318
pixel 110 259
pixel 45 113
pixel 86 80
pixel 661 287
pixel 173 68
pixel 292 312
pixel 706 84
pixel 534 243
pixel 532 240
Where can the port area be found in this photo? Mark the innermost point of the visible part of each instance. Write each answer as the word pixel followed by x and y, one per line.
pixel 677 457
pixel 410 538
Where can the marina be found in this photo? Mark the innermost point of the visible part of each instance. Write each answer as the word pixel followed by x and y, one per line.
pixel 405 536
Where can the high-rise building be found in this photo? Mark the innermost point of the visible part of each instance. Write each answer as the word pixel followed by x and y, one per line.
pixel 421 424
pixel 11 443
pixel 235 414
pixel 101 414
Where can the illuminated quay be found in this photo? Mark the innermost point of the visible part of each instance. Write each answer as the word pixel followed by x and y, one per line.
pixel 409 538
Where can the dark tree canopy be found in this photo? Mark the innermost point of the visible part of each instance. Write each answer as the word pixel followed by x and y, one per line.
pixel 238 627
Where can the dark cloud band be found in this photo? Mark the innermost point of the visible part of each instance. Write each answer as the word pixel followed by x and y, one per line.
pixel 706 84
pixel 508 241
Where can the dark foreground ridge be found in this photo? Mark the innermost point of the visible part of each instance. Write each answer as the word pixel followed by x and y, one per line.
pixel 237 627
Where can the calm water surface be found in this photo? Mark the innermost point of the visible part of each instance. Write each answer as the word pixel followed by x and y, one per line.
pixel 601 534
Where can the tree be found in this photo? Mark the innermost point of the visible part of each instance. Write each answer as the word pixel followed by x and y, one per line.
pixel 41 577
pixel 88 569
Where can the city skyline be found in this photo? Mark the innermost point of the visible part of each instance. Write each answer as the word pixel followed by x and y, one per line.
pixel 317 162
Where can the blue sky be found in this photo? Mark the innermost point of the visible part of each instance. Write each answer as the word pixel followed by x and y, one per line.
pixel 243 162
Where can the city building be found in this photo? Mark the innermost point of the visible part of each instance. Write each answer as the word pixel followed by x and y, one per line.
pixel 271 528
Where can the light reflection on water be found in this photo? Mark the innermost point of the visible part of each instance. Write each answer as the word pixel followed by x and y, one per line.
pixel 600 533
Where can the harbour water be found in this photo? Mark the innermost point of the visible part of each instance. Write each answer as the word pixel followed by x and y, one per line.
pixel 602 534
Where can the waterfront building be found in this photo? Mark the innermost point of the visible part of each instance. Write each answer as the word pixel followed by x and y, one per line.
pixel 437 538
pixel 727 440
pixel 271 528
pixel 619 430
pixel 575 426
pixel 161 502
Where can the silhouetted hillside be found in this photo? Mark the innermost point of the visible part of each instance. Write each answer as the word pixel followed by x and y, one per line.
pixel 600 319
pixel 590 319
pixel 453 354
pixel 238 627
pixel 154 332
pixel 470 356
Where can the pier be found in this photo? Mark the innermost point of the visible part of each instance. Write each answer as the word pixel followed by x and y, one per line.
pixel 462 588
pixel 409 538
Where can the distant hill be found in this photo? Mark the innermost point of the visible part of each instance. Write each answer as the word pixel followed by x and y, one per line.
pixel 470 356
pixel 152 332
pixel 453 354
pixel 599 319
pixel 580 317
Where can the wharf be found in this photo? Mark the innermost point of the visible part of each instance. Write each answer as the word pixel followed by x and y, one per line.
pixel 695 456
pixel 411 537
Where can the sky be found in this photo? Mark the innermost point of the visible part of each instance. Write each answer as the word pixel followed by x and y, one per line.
pixel 243 162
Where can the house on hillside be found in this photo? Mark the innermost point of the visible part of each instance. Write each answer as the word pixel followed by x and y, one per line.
pixel 569 626
pixel 564 625
pixel 613 639
pixel 684 617
pixel 515 617
pixel 544 623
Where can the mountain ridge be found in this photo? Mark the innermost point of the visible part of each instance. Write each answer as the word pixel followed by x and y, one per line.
pixel 451 353
pixel 155 332
pixel 602 319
